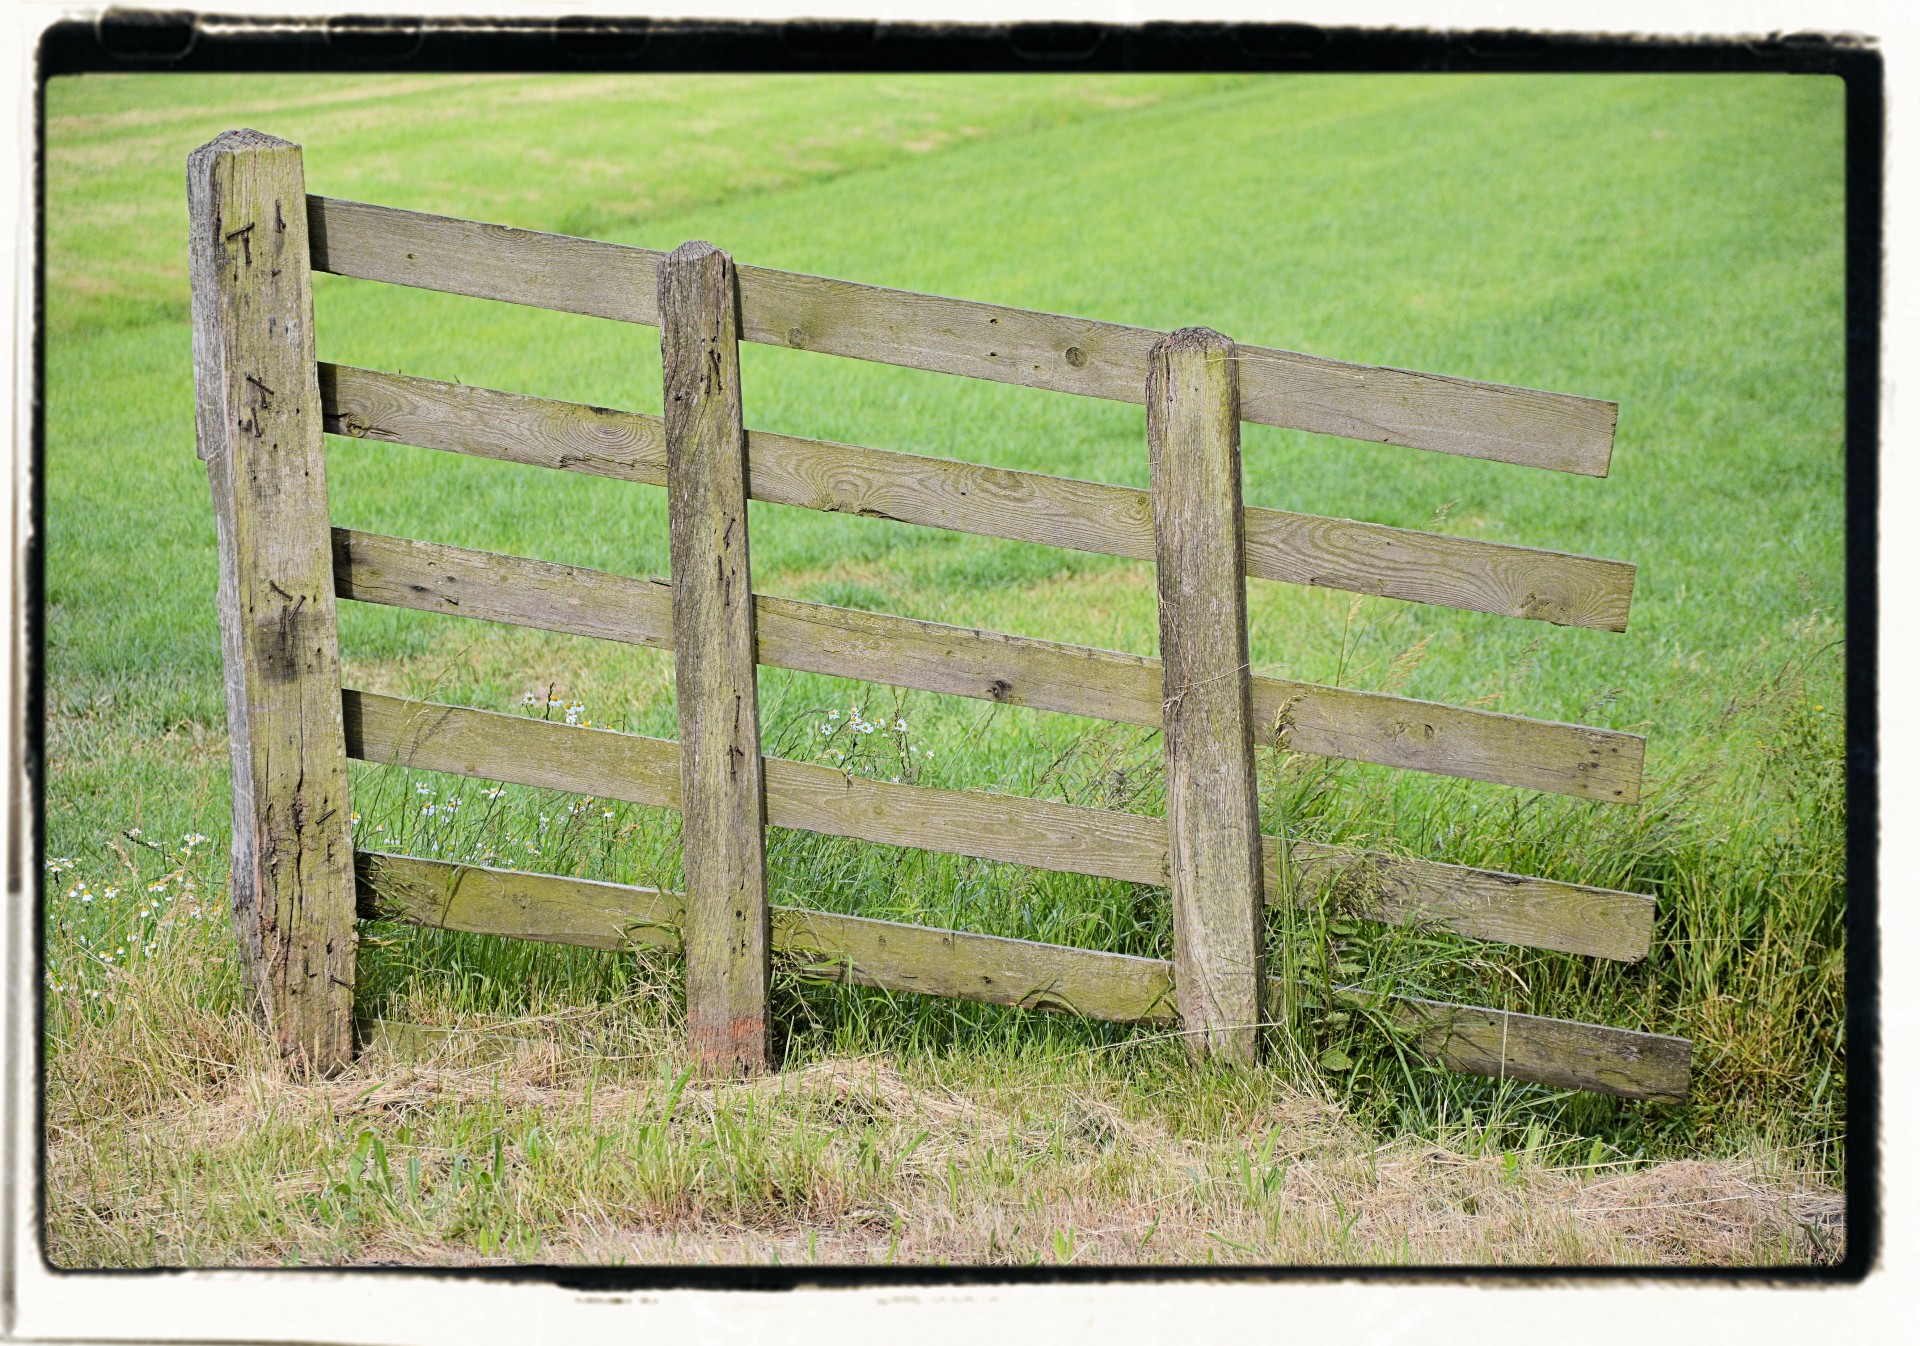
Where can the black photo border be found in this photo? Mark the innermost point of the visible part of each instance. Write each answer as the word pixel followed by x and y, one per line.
pixel 181 42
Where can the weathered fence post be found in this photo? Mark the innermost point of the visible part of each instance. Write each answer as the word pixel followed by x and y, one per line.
pixel 258 404
pixel 723 803
pixel 1213 819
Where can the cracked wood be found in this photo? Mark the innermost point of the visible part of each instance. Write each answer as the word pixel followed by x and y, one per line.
pixel 259 430
pixel 1213 811
pixel 723 800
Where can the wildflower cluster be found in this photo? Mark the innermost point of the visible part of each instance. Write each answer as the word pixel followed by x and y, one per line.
pixel 494 823
pixel 98 929
pixel 880 746
pixel 490 827
pixel 574 712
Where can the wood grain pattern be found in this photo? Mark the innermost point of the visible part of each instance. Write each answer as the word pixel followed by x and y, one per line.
pixel 389 408
pixel 926 961
pixel 960 965
pixel 1213 812
pixel 818 945
pixel 958 336
pixel 1482 904
pixel 1598 764
pixel 517 905
pixel 987 826
pixel 259 430
pixel 1342 554
pixel 484 745
pixel 722 799
pixel 487 261
pixel 1604 765
pixel 1478 903
pixel 1556 1052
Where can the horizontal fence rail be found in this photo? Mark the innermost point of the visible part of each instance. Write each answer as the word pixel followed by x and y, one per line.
pixel 995 970
pixel 1484 904
pixel 1374 727
pixel 1219 874
pixel 1344 554
pixel 957 336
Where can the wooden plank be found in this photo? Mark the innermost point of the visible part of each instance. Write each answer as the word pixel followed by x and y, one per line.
pixel 487 423
pixel 259 430
pixel 487 261
pixel 1482 904
pixel 959 336
pixel 1000 971
pixel 959 965
pixel 987 826
pixel 1343 554
pixel 1569 759
pixel 1478 903
pixel 517 905
pixel 1213 807
pixel 495 587
pixel 484 745
pixel 722 798
pixel 1556 1052
pixel 1531 583
pixel 822 945
pixel 1599 764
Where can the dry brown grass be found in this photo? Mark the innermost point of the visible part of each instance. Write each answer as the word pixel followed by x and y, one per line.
pixel 606 1155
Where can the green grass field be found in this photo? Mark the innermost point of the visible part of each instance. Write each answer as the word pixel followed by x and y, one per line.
pixel 1674 244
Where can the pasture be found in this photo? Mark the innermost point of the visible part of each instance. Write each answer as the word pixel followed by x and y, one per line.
pixel 1674 244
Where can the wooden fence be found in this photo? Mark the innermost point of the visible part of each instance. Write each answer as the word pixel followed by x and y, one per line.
pixel 264 403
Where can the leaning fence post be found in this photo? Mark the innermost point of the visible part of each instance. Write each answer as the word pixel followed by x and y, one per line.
pixel 258 408
pixel 1213 819
pixel 723 803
